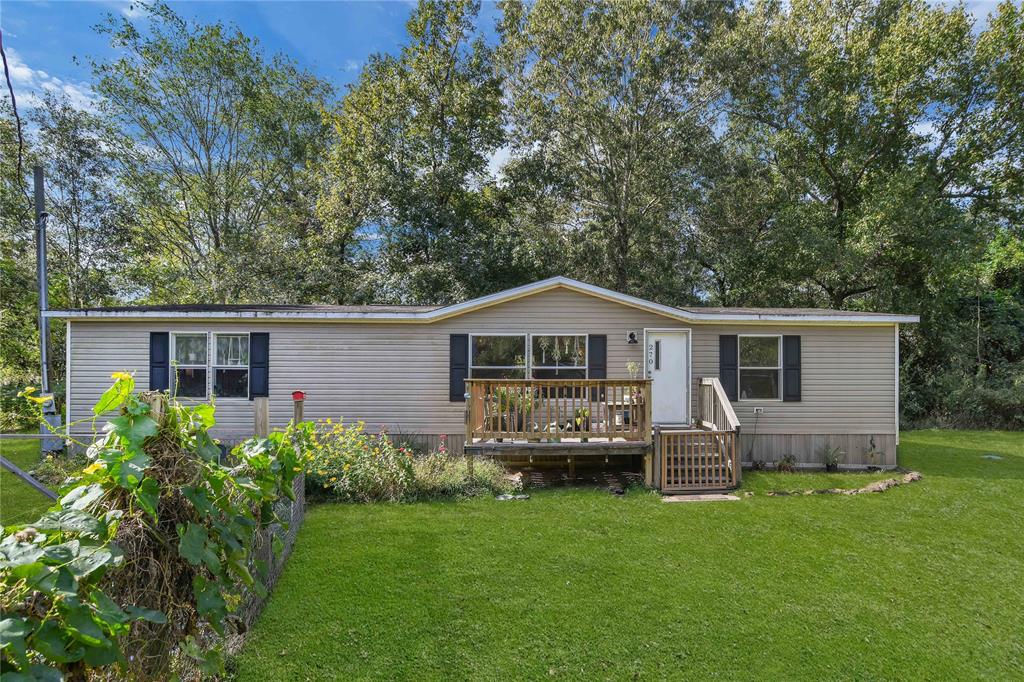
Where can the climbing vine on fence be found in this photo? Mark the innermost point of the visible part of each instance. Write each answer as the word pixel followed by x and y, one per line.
pixel 148 552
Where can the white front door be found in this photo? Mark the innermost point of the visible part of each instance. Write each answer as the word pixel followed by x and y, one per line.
pixel 668 357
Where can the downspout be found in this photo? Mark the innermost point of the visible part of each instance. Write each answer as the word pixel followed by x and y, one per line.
pixel 53 420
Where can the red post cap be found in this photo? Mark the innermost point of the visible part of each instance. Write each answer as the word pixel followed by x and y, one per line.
pixel 298 395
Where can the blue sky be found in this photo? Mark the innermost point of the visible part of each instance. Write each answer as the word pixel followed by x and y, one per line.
pixel 332 39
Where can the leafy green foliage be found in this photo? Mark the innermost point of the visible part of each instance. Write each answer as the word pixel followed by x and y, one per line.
pixel 71 600
pixel 355 465
pixel 344 462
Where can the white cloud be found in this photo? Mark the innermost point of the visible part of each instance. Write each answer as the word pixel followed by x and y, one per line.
pixel 29 84
pixel 352 65
pixel 132 10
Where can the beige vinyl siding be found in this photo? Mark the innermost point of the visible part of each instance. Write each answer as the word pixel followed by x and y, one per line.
pixel 396 375
pixel 847 379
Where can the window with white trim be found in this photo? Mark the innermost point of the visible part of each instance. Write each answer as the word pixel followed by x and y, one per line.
pixel 558 356
pixel 231 365
pixel 189 352
pixel 760 367
pixel 497 356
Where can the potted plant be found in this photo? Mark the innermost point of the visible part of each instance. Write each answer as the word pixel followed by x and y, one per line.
pixel 832 455
pixel 581 421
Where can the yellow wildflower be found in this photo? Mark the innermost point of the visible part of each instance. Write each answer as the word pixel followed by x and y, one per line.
pixel 121 376
pixel 93 468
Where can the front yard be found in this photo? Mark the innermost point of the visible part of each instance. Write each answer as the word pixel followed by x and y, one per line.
pixel 926 580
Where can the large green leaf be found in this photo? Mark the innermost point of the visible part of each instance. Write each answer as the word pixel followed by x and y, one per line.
pixel 92 558
pixel 152 615
pixel 133 428
pixel 83 626
pixel 62 553
pixel 82 496
pixel 107 609
pixel 71 520
pixel 195 547
pixel 19 554
pixel 114 396
pixel 98 656
pixel 51 642
pixel 209 602
pixel 130 470
pixel 12 637
pixel 148 495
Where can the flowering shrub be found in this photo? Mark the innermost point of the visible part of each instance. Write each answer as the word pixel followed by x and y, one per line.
pixel 355 465
pixel 440 474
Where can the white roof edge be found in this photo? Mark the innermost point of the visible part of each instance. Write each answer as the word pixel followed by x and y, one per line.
pixel 489 300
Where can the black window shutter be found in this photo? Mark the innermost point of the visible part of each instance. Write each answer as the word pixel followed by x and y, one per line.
pixel 728 364
pixel 159 361
pixel 791 368
pixel 259 364
pixel 458 367
pixel 597 362
pixel 597 356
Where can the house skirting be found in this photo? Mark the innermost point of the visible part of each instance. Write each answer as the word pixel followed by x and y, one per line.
pixel 809 448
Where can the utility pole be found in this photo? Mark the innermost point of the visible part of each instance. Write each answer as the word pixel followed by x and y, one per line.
pixel 49 408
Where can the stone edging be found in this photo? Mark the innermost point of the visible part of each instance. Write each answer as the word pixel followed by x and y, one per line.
pixel 876 487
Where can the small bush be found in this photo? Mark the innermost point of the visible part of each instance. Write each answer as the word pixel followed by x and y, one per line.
pixel 786 464
pixel 349 464
pixel 439 474
pixel 357 466
pixel 54 471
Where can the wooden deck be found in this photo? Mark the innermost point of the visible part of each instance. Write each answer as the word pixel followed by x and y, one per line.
pixel 528 421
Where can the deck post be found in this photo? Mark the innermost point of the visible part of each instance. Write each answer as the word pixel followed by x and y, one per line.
pixel 648 411
pixel 468 395
pixel 700 403
pixel 656 465
pixel 261 416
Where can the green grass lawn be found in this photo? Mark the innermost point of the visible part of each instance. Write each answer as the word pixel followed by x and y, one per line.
pixel 923 581
pixel 19 502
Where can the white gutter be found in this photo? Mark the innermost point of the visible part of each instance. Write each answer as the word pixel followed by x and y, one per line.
pixel 486 301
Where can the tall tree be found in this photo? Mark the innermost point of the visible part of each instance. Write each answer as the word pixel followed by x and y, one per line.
pixel 415 135
pixel 224 138
pixel 610 99
pixel 871 120
pixel 88 221
pixel 19 338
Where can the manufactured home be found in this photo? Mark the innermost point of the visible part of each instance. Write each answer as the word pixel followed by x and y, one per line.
pixel 557 369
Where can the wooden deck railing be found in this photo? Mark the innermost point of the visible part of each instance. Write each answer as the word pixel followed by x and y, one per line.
pixel 698 460
pixel 713 407
pixel 555 409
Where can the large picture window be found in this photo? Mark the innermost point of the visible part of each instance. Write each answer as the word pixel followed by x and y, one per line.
pixel 231 365
pixel 188 359
pixel 558 357
pixel 497 357
pixel 760 366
